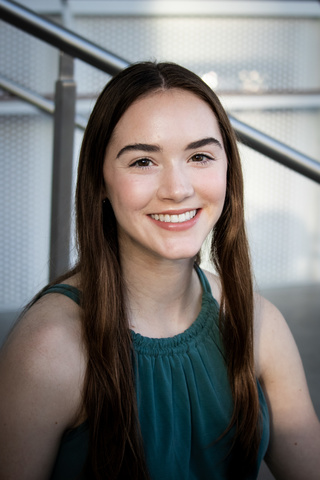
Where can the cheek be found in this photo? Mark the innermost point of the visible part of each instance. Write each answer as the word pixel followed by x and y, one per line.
pixel 214 188
pixel 129 193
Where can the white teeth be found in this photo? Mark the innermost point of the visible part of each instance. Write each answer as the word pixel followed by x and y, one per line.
pixel 183 217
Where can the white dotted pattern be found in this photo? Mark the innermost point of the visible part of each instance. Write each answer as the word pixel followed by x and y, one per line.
pixel 276 48
pixel 26 157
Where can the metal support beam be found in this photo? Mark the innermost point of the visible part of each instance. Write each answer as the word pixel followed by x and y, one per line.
pixel 65 100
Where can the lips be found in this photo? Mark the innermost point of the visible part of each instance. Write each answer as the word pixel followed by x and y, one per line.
pixel 175 218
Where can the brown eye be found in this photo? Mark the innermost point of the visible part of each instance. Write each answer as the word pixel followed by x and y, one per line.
pixel 198 158
pixel 201 158
pixel 142 162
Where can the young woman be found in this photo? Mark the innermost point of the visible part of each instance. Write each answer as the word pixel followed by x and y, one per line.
pixel 137 364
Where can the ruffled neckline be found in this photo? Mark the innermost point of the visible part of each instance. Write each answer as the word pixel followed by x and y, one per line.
pixel 181 342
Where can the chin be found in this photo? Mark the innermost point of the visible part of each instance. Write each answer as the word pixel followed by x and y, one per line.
pixel 181 255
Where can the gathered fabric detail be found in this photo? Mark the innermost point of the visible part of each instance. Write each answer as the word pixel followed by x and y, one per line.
pixel 205 324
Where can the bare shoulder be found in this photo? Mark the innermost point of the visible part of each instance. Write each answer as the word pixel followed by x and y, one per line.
pixel 278 362
pixel 46 345
pixel 51 331
pixel 42 368
pixel 293 451
pixel 271 333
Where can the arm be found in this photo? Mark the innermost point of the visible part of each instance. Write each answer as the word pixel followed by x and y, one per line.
pixel 40 389
pixel 294 449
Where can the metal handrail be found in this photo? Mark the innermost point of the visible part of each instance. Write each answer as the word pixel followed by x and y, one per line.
pixel 278 151
pixel 60 37
pixel 79 47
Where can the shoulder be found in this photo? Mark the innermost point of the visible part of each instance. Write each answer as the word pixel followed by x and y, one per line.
pixel 45 351
pixel 294 428
pixel 53 322
pixel 273 340
pixel 42 367
pixel 277 359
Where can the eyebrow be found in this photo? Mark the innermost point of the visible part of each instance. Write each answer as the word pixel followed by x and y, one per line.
pixel 203 142
pixel 145 147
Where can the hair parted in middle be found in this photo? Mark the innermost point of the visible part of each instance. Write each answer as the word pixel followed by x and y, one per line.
pixel 109 395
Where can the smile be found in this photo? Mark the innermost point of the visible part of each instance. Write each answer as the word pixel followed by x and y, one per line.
pixel 182 217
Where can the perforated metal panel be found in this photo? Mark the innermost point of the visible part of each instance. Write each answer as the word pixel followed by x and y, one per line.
pixel 282 207
pixel 25 206
pixel 280 50
pixel 26 60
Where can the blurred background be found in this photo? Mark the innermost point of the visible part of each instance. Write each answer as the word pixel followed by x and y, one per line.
pixel 261 57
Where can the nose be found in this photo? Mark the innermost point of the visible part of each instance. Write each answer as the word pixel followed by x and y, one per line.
pixel 176 184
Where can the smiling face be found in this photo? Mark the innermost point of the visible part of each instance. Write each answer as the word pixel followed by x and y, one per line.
pixel 165 172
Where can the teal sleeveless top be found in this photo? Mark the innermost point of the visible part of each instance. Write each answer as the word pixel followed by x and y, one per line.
pixel 184 403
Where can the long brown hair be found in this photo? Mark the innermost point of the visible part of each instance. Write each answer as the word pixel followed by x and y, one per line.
pixel 109 397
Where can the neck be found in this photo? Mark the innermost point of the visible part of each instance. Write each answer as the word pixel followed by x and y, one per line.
pixel 163 297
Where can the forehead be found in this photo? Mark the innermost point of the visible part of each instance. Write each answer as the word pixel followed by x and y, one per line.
pixel 166 113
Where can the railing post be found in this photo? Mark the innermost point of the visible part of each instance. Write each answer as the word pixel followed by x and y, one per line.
pixel 65 100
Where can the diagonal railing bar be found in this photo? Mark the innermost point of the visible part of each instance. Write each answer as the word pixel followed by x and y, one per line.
pixel 12 87
pixel 276 150
pixel 93 54
pixel 60 37
pixel 42 103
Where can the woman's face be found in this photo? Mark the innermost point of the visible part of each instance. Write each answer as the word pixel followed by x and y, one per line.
pixel 165 174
